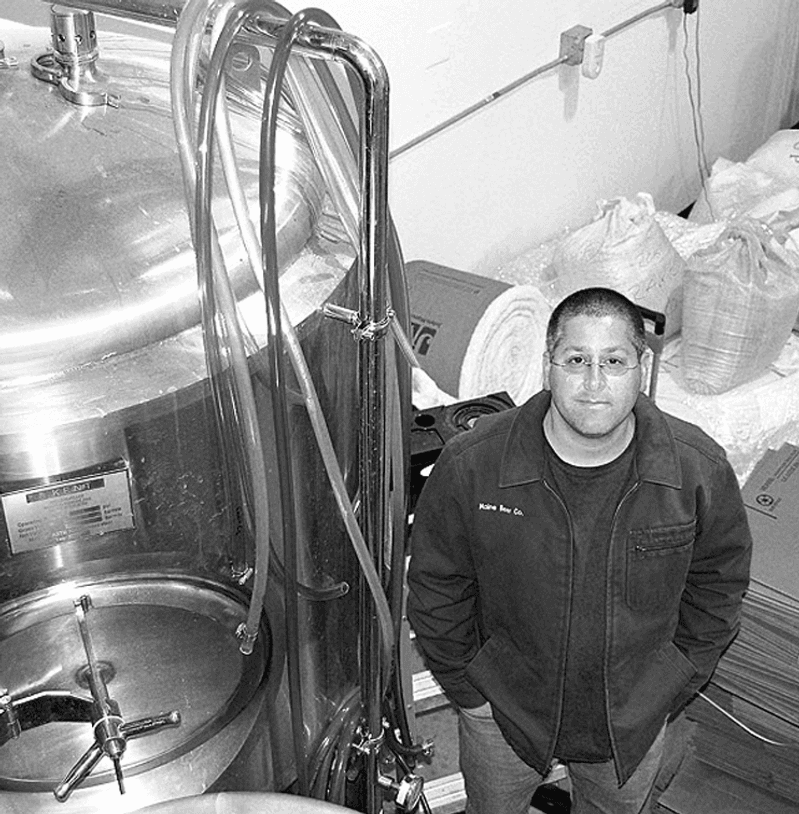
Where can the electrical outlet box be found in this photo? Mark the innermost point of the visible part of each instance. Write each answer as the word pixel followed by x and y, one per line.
pixel 572 44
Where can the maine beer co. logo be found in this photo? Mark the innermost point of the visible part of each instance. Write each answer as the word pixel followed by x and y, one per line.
pixel 424 331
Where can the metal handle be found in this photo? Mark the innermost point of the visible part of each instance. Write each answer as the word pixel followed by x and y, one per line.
pixel 111 733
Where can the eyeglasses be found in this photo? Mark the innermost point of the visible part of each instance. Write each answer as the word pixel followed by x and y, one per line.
pixel 579 365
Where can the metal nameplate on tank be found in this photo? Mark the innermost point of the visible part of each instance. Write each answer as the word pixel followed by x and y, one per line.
pixel 68 510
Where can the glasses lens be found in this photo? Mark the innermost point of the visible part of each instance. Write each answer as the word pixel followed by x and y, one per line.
pixel 610 367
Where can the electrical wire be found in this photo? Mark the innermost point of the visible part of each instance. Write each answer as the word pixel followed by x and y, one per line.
pixel 696 113
pixel 743 726
pixel 698 57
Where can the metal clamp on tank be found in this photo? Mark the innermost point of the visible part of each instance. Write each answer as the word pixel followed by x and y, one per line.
pixel 7 62
pixel 362 328
pixel 72 64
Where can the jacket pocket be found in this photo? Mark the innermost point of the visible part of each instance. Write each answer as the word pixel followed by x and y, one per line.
pixel 658 560
pixel 503 675
pixel 521 694
pixel 641 701
pixel 481 713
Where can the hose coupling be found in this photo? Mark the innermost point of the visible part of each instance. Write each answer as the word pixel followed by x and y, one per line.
pixel 247 639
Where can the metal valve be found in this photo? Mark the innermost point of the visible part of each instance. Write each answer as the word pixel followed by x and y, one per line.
pixel 407 791
pixel 71 65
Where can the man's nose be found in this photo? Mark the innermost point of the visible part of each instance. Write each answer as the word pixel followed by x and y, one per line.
pixel 594 376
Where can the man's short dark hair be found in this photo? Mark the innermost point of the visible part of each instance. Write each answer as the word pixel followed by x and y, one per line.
pixel 597 302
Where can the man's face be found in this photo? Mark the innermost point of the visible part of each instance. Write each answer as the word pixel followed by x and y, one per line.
pixel 591 402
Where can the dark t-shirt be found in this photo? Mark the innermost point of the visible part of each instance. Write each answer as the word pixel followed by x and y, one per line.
pixel 591 495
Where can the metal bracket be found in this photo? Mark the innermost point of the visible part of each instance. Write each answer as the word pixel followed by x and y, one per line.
pixel 362 329
pixel 7 709
pixel 369 744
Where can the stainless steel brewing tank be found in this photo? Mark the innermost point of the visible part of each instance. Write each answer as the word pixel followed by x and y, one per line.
pixel 111 481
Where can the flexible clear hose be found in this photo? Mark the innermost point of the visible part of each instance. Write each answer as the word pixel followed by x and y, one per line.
pixel 318 125
pixel 274 348
pixel 233 19
pixel 272 99
pixel 215 292
pixel 188 46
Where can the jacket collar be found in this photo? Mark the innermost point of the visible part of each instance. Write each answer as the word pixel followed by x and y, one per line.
pixel 523 456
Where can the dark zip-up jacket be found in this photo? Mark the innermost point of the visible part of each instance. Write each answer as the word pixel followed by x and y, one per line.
pixel 491 569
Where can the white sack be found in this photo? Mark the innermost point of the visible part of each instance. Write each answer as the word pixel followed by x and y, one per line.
pixel 625 249
pixel 741 301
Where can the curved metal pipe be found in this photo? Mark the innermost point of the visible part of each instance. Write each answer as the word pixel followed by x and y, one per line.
pixel 374 322
pixel 158 12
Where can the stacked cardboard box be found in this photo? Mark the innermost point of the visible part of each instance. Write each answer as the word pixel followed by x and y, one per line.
pixel 748 719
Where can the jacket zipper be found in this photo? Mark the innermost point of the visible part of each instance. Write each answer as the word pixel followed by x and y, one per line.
pixel 565 640
pixel 641 549
pixel 609 625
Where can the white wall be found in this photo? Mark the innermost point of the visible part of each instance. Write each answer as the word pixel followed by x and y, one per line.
pixel 538 159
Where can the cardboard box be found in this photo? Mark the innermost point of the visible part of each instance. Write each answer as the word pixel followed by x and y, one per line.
pixel 701 789
pixel 771 496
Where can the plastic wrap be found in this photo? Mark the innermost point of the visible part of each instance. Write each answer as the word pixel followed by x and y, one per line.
pixel 736 190
pixel 779 157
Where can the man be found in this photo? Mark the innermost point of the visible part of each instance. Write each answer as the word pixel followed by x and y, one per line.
pixel 578 565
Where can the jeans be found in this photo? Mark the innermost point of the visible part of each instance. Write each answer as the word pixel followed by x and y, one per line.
pixel 499 782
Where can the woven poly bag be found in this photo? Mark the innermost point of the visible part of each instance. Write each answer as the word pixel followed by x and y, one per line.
pixel 623 248
pixel 741 299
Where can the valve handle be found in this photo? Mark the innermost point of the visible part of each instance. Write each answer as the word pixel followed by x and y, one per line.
pixel 110 730
pixel 78 773
pixel 107 718
pixel 83 768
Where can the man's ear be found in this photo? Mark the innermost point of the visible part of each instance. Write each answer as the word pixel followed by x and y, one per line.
pixel 646 370
pixel 545 368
